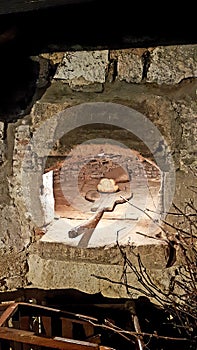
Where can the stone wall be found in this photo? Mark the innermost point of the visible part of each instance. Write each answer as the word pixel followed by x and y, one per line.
pixel 158 82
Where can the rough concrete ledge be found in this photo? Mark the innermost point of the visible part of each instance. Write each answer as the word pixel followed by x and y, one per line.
pixel 55 265
pixel 153 255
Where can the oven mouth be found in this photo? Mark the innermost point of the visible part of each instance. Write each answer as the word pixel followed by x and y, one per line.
pixel 74 178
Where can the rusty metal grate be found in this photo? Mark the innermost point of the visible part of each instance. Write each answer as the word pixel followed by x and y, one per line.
pixel 25 326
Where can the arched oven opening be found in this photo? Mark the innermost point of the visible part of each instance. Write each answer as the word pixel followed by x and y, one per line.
pixel 89 165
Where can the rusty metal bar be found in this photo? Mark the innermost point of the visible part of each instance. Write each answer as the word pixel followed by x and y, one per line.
pixel 67 328
pixel 83 342
pixel 46 322
pixel 27 337
pixel 11 309
pixel 24 325
pixel 24 322
pixel 51 311
pixel 88 329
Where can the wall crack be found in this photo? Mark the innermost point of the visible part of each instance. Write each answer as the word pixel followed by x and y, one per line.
pixel 146 64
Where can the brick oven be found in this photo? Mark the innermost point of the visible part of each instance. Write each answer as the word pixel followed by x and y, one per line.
pixel 97 140
pixel 68 162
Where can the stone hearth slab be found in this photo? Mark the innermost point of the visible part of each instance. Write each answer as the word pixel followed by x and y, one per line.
pixel 54 265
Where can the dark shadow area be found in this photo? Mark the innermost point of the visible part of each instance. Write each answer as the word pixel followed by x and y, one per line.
pixel 110 315
pixel 15 6
pixel 22 83
pixel 93 24
pixel 18 84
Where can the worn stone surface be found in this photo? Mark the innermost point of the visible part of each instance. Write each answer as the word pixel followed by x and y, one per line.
pixel 10 230
pixel 62 274
pixel 150 258
pixel 172 64
pixel 79 271
pixel 156 65
pixel 54 57
pixel 13 267
pixel 187 114
pixel 129 64
pixel 83 68
pixel 60 270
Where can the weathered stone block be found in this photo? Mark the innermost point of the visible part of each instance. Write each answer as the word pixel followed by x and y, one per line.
pixel 53 57
pixel 172 64
pixel 10 232
pixel 82 68
pixel 52 265
pixel 13 268
pixel 129 64
pixel 187 113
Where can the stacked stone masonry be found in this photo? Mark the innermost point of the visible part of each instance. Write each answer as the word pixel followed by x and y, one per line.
pixel 160 83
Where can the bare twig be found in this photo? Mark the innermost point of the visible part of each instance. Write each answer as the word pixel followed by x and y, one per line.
pixel 136 334
pixel 180 301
